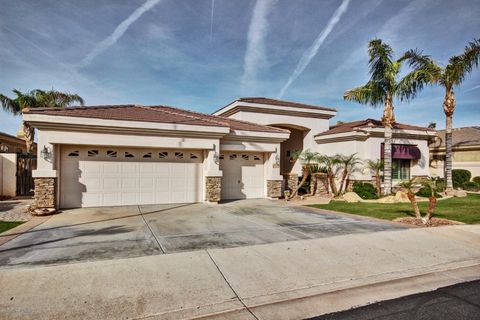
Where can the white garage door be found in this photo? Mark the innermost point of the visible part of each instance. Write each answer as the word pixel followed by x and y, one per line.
pixel 98 176
pixel 243 176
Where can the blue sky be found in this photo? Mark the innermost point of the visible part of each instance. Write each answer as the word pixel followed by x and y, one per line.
pixel 183 53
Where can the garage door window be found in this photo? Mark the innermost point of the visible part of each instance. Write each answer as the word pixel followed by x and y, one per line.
pixel 163 155
pixel 147 155
pixel 129 155
pixel 74 153
pixel 92 153
pixel 111 153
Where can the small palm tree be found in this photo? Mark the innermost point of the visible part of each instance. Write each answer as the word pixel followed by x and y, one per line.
pixel 36 99
pixel 432 200
pixel 382 88
pixel 330 163
pixel 348 164
pixel 408 186
pixel 306 157
pixel 448 77
pixel 376 166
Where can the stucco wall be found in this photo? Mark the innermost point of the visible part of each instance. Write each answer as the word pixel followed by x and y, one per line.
pixel 8 169
pixel 370 149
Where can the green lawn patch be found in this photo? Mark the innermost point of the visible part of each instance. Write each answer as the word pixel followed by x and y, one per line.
pixel 5 225
pixel 466 210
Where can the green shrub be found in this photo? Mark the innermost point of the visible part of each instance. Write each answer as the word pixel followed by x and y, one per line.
pixel 426 192
pixel 476 180
pixel 471 186
pixel 441 185
pixel 365 190
pixel 460 176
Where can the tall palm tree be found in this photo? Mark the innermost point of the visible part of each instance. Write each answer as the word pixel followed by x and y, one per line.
pixel 448 77
pixel 330 163
pixel 382 88
pixel 36 99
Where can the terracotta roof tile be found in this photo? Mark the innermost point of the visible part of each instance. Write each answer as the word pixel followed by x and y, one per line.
pixel 160 114
pixel 276 102
pixel 367 123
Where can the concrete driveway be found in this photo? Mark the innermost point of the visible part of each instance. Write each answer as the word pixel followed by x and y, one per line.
pixel 131 231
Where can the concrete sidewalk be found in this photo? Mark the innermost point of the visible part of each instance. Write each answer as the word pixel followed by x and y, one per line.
pixel 288 280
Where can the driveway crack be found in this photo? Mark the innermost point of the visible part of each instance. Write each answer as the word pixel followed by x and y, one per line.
pixel 160 246
pixel 230 286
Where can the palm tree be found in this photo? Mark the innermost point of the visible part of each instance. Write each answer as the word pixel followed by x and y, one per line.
pixel 330 163
pixel 448 77
pixel 36 99
pixel 376 166
pixel 349 163
pixel 408 186
pixel 382 88
pixel 306 157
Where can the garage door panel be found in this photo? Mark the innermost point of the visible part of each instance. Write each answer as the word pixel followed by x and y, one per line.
pixel 110 178
pixel 243 175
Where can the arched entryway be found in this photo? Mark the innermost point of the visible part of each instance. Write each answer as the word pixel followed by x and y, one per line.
pixel 290 146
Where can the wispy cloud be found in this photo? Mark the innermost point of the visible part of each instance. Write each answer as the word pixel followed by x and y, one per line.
pixel 118 32
pixel 211 20
pixel 256 51
pixel 313 50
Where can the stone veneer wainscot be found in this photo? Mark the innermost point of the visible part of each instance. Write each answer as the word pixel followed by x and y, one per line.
pixel 213 188
pixel 45 192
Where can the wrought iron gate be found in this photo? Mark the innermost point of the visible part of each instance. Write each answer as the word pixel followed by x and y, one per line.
pixel 26 163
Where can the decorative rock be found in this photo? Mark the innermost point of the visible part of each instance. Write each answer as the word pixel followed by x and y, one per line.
pixel 387 199
pixel 43 211
pixel 456 193
pixel 401 196
pixel 213 188
pixel 274 188
pixel 352 197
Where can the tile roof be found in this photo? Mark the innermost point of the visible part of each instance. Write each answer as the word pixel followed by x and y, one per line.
pixel 160 114
pixel 466 136
pixel 367 123
pixel 276 102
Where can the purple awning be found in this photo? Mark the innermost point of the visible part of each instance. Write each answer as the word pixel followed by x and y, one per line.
pixel 402 151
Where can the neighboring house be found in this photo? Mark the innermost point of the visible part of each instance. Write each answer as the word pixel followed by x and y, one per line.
pixel 126 155
pixel 12 144
pixel 465 151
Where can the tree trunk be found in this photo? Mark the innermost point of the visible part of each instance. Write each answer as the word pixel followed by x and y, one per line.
pixel 344 177
pixel 378 181
pixel 387 158
pixel 333 186
pixel 432 203
pixel 29 133
pixel 448 108
pixel 388 120
pixel 306 173
pixel 413 201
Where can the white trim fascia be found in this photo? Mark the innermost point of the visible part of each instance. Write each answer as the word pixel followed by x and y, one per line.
pixel 248 147
pixel 44 174
pixel 95 122
pixel 260 134
pixel 272 107
pixel 358 134
pixel 404 131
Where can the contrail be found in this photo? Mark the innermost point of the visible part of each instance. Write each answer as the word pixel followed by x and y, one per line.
pixel 313 50
pixel 473 88
pixel 257 31
pixel 211 20
pixel 118 32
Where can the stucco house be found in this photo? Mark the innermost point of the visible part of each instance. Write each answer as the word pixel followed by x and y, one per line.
pixel 131 154
pixel 465 151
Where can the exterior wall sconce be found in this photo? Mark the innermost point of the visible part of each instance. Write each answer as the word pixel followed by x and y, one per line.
pixel 277 157
pixel 3 148
pixel 46 153
pixel 216 157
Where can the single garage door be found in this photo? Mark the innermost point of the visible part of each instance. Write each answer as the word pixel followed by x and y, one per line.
pixel 99 176
pixel 243 176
